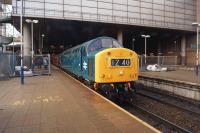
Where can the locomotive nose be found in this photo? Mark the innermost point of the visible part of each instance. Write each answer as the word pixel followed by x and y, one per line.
pixel 116 65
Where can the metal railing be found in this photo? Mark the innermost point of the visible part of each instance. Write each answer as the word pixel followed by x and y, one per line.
pixel 163 61
pixel 41 64
pixel 7 63
pixel 10 64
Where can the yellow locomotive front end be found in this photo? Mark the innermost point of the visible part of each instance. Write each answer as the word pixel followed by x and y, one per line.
pixel 116 65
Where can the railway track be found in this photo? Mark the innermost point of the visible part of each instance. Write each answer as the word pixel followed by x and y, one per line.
pixel 157 120
pixel 160 121
pixel 172 101
pixel 148 116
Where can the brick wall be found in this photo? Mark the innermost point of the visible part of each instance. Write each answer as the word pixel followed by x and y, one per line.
pixel 191 52
pixel 198 10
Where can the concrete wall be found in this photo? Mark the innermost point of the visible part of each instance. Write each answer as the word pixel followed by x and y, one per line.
pixel 171 14
pixel 177 89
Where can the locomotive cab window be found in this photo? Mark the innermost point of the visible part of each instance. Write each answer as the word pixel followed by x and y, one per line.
pixel 103 44
pixel 84 53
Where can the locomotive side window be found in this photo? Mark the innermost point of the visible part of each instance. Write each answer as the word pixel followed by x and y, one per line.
pixel 84 53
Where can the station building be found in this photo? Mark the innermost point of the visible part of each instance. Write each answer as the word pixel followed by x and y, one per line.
pixel 64 23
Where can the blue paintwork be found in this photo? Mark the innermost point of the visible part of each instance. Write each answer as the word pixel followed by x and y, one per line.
pixel 75 61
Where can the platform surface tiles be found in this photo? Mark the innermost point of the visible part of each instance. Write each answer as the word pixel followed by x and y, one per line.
pixel 59 104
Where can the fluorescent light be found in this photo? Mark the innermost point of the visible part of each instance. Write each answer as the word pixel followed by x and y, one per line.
pixel 196 24
pixel 146 36
pixel 28 20
pixel 35 21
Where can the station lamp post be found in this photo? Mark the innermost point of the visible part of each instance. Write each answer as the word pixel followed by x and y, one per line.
pixel 21 45
pixel 133 40
pixel 31 22
pixel 145 45
pixel 197 53
pixel 42 42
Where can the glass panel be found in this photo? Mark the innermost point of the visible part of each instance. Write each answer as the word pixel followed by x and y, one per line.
pixel 107 43
pixel 95 46
pixel 103 44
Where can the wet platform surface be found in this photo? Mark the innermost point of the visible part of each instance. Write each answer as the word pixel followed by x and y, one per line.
pixel 58 104
pixel 180 75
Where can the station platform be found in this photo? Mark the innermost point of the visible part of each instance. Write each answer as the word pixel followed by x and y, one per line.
pixel 182 83
pixel 186 76
pixel 59 104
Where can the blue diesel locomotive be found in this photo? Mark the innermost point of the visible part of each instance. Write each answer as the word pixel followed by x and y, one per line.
pixel 104 64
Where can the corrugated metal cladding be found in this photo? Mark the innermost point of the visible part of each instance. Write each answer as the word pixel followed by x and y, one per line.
pixel 175 14
pixel 91 67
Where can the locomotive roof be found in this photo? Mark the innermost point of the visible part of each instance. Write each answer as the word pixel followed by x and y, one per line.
pixel 86 44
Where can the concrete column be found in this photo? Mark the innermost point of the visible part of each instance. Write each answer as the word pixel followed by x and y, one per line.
pixel 159 48
pixel 183 50
pixel 120 36
pixel 27 44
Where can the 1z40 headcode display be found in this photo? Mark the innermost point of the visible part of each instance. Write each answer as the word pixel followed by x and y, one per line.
pixel 120 62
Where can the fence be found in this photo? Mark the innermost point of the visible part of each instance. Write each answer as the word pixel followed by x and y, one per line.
pixel 10 65
pixel 41 64
pixel 163 61
pixel 7 61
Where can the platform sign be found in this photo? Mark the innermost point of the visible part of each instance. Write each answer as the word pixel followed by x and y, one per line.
pixel 194 46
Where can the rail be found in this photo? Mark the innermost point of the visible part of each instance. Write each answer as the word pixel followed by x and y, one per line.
pixel 170 100
pixel 169 125
pixel 173 126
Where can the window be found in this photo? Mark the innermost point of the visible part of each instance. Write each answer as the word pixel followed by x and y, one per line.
pixel 103 43
pixel 84 53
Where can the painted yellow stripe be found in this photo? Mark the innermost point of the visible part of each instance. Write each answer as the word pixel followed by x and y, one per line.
pixel 115 105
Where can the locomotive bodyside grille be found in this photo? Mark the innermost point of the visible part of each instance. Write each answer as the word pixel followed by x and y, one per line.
pixel 91 67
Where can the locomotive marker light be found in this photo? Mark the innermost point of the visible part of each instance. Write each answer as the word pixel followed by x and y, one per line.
pixel 145 45
pixel 32 22
pixel 197 54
